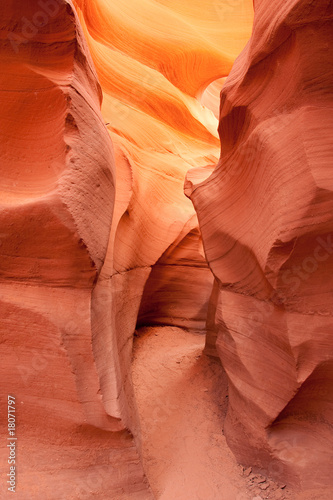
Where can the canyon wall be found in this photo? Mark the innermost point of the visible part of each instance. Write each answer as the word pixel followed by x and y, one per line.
pixel 154 60
pixel 84 264
pixel 57 197
pixel 265 215
pixel 81 263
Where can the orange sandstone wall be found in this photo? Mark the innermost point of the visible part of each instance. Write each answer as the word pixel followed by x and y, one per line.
pixel 154 59
pixel 57 197
pixel 265 214
pixel 81 263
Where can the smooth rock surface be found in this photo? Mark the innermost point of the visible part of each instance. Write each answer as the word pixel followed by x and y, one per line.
pixel 57 197
pixel 265 214
pixel 154 271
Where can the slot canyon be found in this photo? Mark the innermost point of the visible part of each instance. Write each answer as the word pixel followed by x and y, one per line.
pixel 166 249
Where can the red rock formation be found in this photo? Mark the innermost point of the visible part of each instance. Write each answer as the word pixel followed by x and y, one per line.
pixel 179 286
pixel 265 214
pixel 159 130
pixel 56 208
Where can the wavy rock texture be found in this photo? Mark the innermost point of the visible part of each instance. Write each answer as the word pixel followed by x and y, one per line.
pixel 152 79
pixel 178 289
pixel 76 284
pixel 265 214
pixel 57 196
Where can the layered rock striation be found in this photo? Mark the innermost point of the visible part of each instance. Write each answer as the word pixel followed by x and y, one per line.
pixel 57 198
pixel 154 271
pixel 265 214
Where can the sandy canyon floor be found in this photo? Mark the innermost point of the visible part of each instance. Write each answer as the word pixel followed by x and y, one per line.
pixel 182 398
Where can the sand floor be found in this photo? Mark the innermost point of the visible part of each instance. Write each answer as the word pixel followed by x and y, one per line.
pixel 182 401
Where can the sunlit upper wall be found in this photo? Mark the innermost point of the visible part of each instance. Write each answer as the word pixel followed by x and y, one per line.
pixel 191 42
pixel 154 57
pixel 154 60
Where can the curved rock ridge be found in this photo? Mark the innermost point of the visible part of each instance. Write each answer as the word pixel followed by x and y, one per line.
pixel 179 286
pixel 154 59
pixel 211 96
pixel 265 215
pixel 83 264
pixel 190 43
pixel 52 162
pixel 57 197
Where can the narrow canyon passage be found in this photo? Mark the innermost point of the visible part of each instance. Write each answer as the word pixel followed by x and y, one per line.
pixel 182 401
pixel 166 162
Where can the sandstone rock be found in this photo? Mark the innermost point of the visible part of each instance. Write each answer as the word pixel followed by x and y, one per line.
pixel 247 471
pixel 265 214
pixel 178 289
pixel 57 184
pixel 154 271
